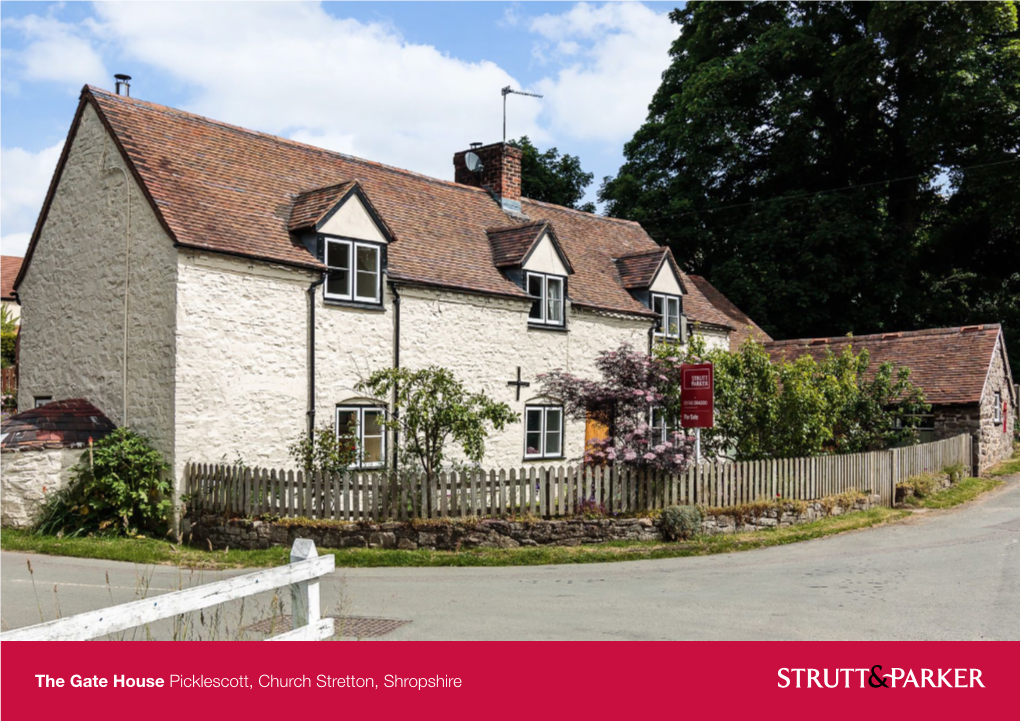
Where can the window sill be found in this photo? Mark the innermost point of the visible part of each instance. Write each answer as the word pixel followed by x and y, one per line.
pixel 357 304
pixel 552 328
pixel 534 459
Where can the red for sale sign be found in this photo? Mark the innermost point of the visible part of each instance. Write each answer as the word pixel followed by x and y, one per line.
pixel 697 387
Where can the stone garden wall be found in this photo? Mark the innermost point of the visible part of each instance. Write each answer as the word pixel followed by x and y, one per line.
pixel 457 534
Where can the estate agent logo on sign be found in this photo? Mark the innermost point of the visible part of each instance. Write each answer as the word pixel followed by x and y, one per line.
pixel 697 386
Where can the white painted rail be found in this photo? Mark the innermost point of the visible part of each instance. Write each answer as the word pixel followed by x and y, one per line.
pixel 301 574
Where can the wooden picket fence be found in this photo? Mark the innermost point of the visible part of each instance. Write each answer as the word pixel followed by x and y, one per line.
pixel 554 492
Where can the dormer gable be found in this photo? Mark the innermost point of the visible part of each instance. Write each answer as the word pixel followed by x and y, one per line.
pixel 654 279
pixel 341 210
pixel 532 246
pixel 656 267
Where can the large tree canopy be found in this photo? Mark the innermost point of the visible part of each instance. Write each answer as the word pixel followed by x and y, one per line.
pixel 839 167
pixel 551 177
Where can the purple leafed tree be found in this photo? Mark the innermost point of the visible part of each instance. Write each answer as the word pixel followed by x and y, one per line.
pixel 632 384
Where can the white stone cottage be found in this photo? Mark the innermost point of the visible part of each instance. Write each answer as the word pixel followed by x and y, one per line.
pixel 963 371
pixel 220 289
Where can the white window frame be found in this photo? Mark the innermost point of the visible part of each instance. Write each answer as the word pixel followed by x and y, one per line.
pixel 40 401
pixel 359 412
pixel 662 330
pixel 543 302
pixel 664 431
pixel 997 418
pixel 352 248
pixel 544 409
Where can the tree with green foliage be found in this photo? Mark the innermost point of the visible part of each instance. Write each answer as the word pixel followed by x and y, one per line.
pixel 8 337
pixel 433 408
pixel 551 177
pixel 766 410
pixel 118 487
pixel 839 166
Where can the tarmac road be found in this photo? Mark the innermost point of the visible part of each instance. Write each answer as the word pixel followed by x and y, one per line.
pixel 941 575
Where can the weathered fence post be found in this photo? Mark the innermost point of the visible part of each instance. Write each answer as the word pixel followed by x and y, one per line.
pixel 304 595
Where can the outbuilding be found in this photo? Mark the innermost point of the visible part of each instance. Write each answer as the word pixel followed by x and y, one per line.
pixel 38 449
pixel 963 371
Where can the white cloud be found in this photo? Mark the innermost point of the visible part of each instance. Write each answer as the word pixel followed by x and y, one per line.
pixel 293 69
pixel 14 244
pixel 56 51
pixel 612 59
pixel 27 176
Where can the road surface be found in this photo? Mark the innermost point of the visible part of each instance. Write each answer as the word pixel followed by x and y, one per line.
pixel 941 575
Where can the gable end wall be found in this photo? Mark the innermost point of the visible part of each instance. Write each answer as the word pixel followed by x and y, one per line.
pixel 73 312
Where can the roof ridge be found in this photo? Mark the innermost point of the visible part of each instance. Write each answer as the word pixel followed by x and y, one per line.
pixel 519 226
pixel 323 188
pixel 94 90
pixel 639 253
pixel 564 208
pixel 891 335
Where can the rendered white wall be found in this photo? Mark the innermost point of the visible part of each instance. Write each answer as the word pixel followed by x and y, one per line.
pixel 27 478
pixel 545 259
pixel 351 220
pixel 73 327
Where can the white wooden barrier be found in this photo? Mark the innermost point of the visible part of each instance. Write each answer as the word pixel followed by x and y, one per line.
pixel 301 574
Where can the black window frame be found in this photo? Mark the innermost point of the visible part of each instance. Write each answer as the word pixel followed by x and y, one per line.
pixel 353 245
pixel 543 299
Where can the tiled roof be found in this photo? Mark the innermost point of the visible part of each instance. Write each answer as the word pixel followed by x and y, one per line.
pixel 742 325
pixel 310 207
pixel 223 188
pixel 949 364
pixel 637 270
pixel 61 424
pixel 510 244
pixel 9 267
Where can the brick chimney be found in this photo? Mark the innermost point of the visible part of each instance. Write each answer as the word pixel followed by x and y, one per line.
pixel 500 175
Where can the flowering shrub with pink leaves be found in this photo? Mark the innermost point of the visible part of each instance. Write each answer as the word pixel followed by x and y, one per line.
pixel 631 384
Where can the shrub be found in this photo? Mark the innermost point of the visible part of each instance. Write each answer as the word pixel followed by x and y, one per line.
pixel 118 487
pixel 591 509
pixel 681 522
pixel 8 348
pixel 326 451
pixel 955 472
pixel 920 486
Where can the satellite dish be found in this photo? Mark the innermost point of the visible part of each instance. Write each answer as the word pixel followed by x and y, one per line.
pixel 473 162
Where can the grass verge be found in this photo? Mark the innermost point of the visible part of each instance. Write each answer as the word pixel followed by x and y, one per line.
pixel 1006 468
pixel 151 551
pixel 966 490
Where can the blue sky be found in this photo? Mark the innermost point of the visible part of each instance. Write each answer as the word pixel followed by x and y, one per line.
pixel 404 83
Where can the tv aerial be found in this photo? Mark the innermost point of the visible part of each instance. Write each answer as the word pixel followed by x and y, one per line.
pixel 510 91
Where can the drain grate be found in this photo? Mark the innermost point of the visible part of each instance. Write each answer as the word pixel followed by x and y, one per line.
pixel 346 626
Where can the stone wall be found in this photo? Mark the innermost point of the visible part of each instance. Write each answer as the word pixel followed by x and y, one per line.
pixel 457 534
pixel 28 477
pixel 993 444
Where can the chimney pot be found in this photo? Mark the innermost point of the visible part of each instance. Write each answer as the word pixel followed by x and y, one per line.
pixel 125 81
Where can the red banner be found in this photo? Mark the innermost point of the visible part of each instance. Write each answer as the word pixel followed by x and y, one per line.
pixel 697 399
pixel 792 680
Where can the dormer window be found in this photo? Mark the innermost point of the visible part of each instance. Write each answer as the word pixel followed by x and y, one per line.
pixel 548 290
pixel 668 309
pixel 355 271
